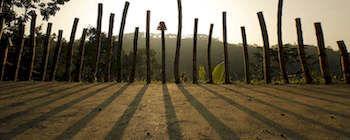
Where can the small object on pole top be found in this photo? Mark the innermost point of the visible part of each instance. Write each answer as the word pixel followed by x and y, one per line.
pixel 162 26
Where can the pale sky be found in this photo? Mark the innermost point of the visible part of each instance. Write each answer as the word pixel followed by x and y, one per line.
pixel 334 15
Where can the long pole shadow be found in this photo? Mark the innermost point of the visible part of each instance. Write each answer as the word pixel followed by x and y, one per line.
pixel 307 95
pixel 23 127
pixel 119 127
pixel 327 127
pixel 14 84
pixel 13 116
pixel 34 90
pixel 173 126
pixel 288 132
pixel 224 131
pixel 16 89
pixel 10 106
pixel 295 102
pixel 320 91
pixel 75 128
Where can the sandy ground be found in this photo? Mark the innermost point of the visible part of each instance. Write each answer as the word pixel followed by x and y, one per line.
pixel 53 110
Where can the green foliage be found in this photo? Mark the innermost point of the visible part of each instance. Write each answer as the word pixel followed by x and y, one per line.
pixel 219 73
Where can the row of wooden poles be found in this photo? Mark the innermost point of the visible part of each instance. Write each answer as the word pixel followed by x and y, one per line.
pixel 266 51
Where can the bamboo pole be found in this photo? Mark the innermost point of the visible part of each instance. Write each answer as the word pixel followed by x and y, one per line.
pixel 120 42
pixel 245 55
pixel 21 41
pixel 266 58
pixel 194 59
pixel 148 59
pixel 227 68
pixel 210 71
pixel 134 58
pixel 281 59
pixel 81 55
pixel 57 55
pixel 110 46
pixel 71 51
pixel 32 46
pixel 98 41
pixel 178 44
pixel 301 50
pixel 344 61
pixel 322 54
pixel 46 51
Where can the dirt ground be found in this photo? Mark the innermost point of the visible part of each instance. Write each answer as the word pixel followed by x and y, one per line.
pixel 82 111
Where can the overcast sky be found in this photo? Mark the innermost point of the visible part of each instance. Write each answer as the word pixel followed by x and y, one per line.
pixel 334 15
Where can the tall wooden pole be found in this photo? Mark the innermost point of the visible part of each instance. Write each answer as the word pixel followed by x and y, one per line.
pixel 162 27
pixel 322 54
pixel 134 58
pixel 70 51
pixel 246 56
pixel 4 62
pixel 57 55
pixel 194 58
pixel 266 58
pixel 2 20
pixel 46 51
pixel 210 71
pixel 227 68
pixel 110 47
pixel 280 43
pixel 120 42
pixel 81 55
pixel 178 44
pixel 301 50
pixel 32 46
pixel 345 60
pixel 148 59
pixel 20 52
pixel 98 41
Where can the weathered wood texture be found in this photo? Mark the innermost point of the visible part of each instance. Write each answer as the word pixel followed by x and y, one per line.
pixel 4 62
pixel 134 57
pixel 194 58
pixel 345 60
pixel 46 54
pixel 21 42
pixel 32 45
pixel 324 66
pixel 210 69
pixel 301 51
pixel 57 55
pixel 98 41
pixel 266 54
pixel 120 42
pixel 110 47
pixel 226 60
pixel 148 58
pixel 2 20
pixel 178 43
pixel 70 52
pixel 245 55
pixel 81 58
pixel 281 58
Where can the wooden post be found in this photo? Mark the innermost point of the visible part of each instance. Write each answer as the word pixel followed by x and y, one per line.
pixel 194 59
pixel 57 55
pixel 70 51
pixel 266 48
pixel 4 62
pixel 120 42
pixel 98 41
pixel 280 43
pixel 178 44
pixel 134 60
pixel 2 20
pixel 344 61
pixel 110 46
pixel 81 55
pixel 322 54
pixel 46 51
pixel 148 59
pixel 210 71
pixel 227 69
pixel 301 51
pixel 21 41
pixel 32 46
pixel 246 56
pixel 162 27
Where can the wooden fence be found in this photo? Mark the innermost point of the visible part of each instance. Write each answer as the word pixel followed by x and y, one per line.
pixel 49 73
